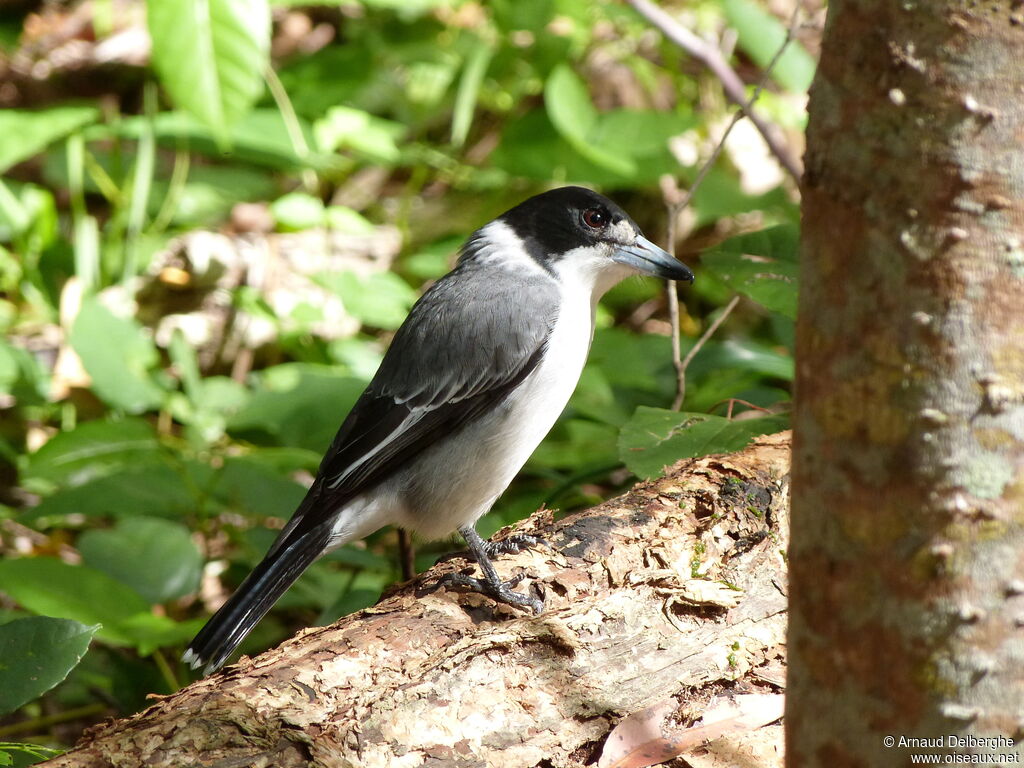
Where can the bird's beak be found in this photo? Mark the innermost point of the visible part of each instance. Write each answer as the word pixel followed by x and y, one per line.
pixel 646 257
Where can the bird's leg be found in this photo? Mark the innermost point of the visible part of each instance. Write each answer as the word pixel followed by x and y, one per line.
pixel 491 584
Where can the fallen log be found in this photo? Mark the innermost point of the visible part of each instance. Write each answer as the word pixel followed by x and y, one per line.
pixel 675 590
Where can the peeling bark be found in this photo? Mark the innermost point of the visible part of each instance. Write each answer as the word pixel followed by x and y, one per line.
pixel 676 589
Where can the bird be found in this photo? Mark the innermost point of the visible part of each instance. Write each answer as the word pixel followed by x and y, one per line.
pixel 475 377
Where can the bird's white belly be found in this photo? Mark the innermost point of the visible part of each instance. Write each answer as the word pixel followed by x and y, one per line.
pixel 468 473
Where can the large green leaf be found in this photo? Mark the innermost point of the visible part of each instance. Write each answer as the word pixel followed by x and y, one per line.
pixel 761 35
pixel 656 438
pixel 259 137
pixel 51 587
pixel 27 132
pixel 574 116
pixel 249 486
pixel 144 488
pixel 118 356
pixel 762 265
pixel 211 55
pixel 91 449
pixel 636 140
pixel 300 405
pixel 742 355
pixel 154 557
pixel 381 300
pixel 36 653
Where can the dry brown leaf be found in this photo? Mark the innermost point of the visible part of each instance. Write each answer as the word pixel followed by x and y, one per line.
pixel 645 738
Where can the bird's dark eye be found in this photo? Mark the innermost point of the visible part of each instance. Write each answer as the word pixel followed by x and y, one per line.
pixel 595 218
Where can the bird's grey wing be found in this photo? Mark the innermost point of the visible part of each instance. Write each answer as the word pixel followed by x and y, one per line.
pixel 467 343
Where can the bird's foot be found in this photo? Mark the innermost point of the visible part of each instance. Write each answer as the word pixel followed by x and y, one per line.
pixel 502 591
pixel 516 542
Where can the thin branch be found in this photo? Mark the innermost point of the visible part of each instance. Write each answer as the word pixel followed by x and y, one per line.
pixel 676 202
pixel 708 333
pixel 732 84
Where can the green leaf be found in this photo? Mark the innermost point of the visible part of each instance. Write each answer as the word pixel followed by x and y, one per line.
pixel 26 753
pixel 532 147
pixel 433 260
pixel 21 375
pixel 381 300
pixel 761 35
pixel 355 129
pixel 408 9
pixel 297 211
pixel 762 265
pixel 149 631
pixel 249 486
pixel 154 557
pixel 656 438
pixel 14 219
pixel 743 355
pixel 37 653
pixel 28 216
pixel 91 449
pixel 299 405
pixel 51 587
pixel 568 105
pixel 142 488
pixel 576 443
pixel 118 356
pixel 183 355
pixel 631 360
pixel 469 87
pixel 350 222
pixel 28 132
pixel 210 56
pixel 259 137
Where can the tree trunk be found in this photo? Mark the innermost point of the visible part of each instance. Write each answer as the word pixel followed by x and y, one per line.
pixel 906 565
pixel 676 589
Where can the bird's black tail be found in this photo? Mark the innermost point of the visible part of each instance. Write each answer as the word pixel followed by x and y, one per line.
pixel 251 601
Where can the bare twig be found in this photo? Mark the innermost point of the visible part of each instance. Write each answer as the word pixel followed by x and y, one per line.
pixel 673 202
pixel 676 202
pixel 731 403
pixel 732 84
pixel 708 333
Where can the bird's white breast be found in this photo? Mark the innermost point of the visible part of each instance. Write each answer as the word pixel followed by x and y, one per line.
pixel 472 471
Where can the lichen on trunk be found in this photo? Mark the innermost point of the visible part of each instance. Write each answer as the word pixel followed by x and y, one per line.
pixel 908 450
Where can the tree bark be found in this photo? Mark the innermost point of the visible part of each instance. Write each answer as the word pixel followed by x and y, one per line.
pixel 908 464
pixel 676 589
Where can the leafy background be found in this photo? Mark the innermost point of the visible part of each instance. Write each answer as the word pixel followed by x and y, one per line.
pixel 214 214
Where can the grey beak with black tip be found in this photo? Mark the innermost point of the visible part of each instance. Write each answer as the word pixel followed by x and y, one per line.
pixel 648 258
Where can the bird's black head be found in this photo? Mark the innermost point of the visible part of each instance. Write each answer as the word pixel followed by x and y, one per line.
pixel 569 217
pixel 577 225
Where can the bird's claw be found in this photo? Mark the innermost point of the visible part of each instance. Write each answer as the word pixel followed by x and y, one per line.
pixel 502 591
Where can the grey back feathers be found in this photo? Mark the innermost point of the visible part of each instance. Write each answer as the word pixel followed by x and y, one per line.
pixel 470 340
pixel 471 332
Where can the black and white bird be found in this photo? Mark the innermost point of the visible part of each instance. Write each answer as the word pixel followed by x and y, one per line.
pixel 473 381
